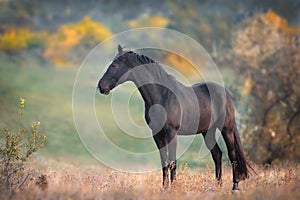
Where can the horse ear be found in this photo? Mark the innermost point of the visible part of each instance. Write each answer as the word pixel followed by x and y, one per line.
pixel 120 49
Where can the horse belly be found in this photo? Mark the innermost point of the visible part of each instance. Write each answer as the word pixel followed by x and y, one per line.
pixel 192 126
pixel 196 117
pixel 194 120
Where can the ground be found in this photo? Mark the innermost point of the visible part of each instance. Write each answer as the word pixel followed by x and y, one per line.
pixel 76 181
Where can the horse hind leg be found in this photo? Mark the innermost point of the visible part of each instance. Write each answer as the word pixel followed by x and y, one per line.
pixel 236 155
pixel 212 145
pixel 229 140
pixel 217 157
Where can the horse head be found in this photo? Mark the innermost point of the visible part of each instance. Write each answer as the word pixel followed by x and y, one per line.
pixel 117 72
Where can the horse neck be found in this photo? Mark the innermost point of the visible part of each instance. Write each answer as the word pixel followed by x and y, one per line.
pixel 153 82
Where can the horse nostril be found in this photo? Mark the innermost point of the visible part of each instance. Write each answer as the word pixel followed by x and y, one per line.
pixel 103 90
pixel 104 86
pixel 100 89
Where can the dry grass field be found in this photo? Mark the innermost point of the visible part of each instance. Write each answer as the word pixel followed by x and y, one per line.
pixel 73 181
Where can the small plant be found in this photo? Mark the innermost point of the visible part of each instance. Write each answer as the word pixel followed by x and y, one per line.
pixel 16 147
pixel 42 182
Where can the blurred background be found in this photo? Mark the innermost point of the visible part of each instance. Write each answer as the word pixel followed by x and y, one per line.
pixel 255 43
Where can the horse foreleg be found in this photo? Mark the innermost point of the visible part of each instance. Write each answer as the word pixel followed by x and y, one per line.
pixel 172 146
pixel 161 143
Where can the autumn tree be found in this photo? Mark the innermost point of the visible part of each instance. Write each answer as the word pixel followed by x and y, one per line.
pixel 266 52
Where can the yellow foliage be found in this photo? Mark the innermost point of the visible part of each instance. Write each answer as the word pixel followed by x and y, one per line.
pixel 282 24
pixel 248 84
pixel 180 63
pixel 83 35
pixel 133 24
pixel 264 35
pixel 60 44
pixel 158 21
pixel 3 3
pixel 154 21
pixel 71 35
pixel 276 20
pixel 14 39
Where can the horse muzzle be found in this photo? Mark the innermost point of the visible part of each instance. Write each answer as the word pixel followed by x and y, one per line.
pixel 104 91
pixel 104 86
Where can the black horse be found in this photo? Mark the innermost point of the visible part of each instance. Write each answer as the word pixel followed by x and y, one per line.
pixel 173 109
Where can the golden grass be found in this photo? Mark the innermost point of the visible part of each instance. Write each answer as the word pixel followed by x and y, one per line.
pixel 72 181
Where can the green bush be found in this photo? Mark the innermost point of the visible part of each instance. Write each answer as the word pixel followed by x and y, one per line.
pixel 16 147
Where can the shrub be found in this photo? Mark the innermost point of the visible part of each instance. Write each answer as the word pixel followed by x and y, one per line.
pixel 66 45
pixel 82 35
pixel 16 147
pixel 17 39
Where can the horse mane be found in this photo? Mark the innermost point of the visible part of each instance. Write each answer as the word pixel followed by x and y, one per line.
pixel 144 59
pixel 158 69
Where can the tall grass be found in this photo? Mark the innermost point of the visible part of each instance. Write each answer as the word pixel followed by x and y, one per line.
pixel 75 181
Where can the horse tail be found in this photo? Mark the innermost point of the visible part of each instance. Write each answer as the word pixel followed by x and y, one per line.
pixel 241 165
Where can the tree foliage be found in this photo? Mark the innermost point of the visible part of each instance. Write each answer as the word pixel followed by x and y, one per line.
pixel 17 39
pixel 60 47
pixel 83 35
pixel 153 21
pixel 267 51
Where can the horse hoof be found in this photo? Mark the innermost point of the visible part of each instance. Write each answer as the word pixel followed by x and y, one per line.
pixel 235 187
pixel 235 192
